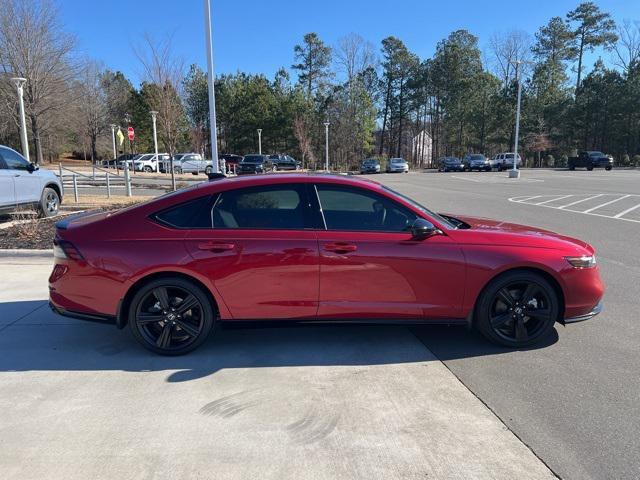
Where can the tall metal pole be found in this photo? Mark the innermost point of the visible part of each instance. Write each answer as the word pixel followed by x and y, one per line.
pixel 155 139
pixel 326 146
pixel 210 77
pixel 23 122
pixel 113 139
pixel 515 154
pixel 260 141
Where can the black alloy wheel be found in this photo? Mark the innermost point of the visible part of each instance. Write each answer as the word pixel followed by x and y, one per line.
pixel 171 316
pixel 517 309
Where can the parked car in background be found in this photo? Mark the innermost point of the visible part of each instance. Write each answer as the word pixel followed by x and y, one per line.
pixel 194 163
pixel 590 160
pixel 231 161
pixel 116 162
pixel 397 165
pixel 149 162
pixel 23 185
pixel 249 249
pixel 476 161
pixel 254 163
pixel 128 160
pixel 370 165
pixel 504 161
pixel 282 162
pixel 450 164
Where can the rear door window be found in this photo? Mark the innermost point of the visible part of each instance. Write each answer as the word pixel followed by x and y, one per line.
pixel 279 207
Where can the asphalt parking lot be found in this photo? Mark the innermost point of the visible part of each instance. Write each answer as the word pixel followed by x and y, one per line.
pixel 574 400
pixel 79 400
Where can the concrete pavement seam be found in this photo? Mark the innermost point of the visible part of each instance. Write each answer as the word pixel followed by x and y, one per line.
pixel 20 318
pixel 489 408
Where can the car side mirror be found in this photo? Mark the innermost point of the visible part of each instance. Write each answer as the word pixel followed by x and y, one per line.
pixel 422 229
pixel 32 168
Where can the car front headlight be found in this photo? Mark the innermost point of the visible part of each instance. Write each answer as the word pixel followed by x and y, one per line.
pixel 584 261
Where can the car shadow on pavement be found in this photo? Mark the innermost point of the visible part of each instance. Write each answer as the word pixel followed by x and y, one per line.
pixel 46 342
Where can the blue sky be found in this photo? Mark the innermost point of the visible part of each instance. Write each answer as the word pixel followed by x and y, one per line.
pixel 258 36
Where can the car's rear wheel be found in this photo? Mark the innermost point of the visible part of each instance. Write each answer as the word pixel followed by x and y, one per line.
pixel 171 316
pixel 608 167
pixel 147 169
pixel 274 168
pixel 177 169
pixel 49 203
pixel 590 168
pixel 517 309
pixel 208 170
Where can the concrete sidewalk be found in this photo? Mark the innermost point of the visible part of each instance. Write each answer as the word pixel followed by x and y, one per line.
pixel 80 400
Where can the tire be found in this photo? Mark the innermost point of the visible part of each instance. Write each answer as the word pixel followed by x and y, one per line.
pixel 49 203
pixel 504 318
pixel 208 170
pixel 572 168
pixel 274 168
pixel 158 323
pixel 590 169
pixel 147 169
pixel 177 170
pixel 608 167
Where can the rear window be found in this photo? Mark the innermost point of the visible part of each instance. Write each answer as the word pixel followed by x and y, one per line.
pixel 253 159
pixel 191 214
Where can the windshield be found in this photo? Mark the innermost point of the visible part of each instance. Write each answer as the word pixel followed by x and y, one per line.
pixel 477 157
pixel 397 160
pixel 146 157
pixel 596 154
pixel 252 159
pixel 416 205
pixel 370 162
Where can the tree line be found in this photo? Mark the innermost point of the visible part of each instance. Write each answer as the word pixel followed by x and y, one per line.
pixel 381 102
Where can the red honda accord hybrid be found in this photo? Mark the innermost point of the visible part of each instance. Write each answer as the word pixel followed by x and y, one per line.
pixel 304 247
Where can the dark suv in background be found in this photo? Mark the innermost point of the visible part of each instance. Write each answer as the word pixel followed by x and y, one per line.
pixel 282 162
pixel 591 160
pixel 254 163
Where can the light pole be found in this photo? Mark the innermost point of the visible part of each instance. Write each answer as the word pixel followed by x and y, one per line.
pixel 210 78
pixel 155 139
pixel 23 122
pixel 515 173
pixel 326 146
pixel 113 139
pixel 260 141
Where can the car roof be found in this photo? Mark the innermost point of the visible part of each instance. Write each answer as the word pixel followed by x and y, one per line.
pixel 280 178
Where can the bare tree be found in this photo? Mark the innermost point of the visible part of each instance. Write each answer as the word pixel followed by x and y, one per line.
pixel 508 48
pixel 164 72
pixel 305 139
pixel 627 48
pixel 93 104
pixel 354 55
pixel 34 46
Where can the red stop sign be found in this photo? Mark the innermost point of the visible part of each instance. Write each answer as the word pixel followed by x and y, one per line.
pixel 131 133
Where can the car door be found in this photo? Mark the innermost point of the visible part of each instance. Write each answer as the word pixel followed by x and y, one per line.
pixel 261 252
pixel 370 267
pixel 27 182
pixel 7 188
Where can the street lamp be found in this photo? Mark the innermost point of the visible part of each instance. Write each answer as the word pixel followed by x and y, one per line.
pixel 210 78
pixel 260 141
pixel 113 139
pixel 155 139
pixel 23 122
pixel 515 173
pixel 326 146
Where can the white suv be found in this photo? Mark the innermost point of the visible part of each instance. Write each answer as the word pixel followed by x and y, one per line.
pixel 24 185
pixel 504 161
pixel 149 163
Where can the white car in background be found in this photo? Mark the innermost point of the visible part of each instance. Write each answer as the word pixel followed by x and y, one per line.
pixel 504 161
pixel 25 186
pixel 397 165
pixel 149 162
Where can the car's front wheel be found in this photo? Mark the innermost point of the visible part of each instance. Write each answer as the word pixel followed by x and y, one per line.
pixel 517 309
pixel 148 169
pixel 171 316
pixel 49 203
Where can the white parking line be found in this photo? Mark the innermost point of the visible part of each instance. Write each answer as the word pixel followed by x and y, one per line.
pixel 621 214
pixel 553 199
pixel 605 204
pixel 546 201
pixel 580 201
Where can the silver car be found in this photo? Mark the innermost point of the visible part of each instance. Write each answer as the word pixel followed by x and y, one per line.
pixel 397 165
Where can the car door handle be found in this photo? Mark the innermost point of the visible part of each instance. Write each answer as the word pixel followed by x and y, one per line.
pixel 340 247
pixel 216 247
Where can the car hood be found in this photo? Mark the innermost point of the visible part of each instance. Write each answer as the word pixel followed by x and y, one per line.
pixel 494 232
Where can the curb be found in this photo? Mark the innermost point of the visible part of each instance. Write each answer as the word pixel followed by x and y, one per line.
pixel 26 253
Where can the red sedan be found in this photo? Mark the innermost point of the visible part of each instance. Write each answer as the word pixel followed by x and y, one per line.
pixel 313 247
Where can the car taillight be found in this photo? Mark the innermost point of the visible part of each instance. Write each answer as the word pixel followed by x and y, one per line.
pixel 66 250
